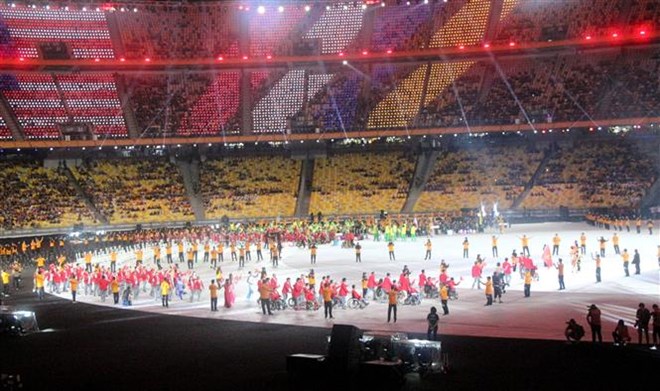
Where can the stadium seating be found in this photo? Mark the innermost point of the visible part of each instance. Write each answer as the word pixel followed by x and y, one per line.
pixel 462 23
pixel 398 27
pixel 336 108
pixel 36 103
pixel 92 98
pixel 84 33
pixel 337 27
pixel 261 186
pixel 37 197
pixel 180 31
pixel 636 93
pixel 449 84
pixel 531 20
pixel 361 183
pixel 284 99
pixel 5 133
pixel 487 174
pixel 594 175
pixel 133 191
pixel 270 33
pixel 211 112
pixel 402 103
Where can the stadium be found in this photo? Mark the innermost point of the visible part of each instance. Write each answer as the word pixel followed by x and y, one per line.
pixel 320 155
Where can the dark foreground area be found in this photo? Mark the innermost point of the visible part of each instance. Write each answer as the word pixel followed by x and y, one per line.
pixel 92 347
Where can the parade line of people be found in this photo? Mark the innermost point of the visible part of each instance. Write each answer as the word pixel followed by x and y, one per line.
pixel 147 270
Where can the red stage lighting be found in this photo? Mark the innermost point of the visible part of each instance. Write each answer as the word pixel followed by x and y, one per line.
pixel 642 32
pixel 122 59
pixel 364 52
pixel 588 37
pixel 461 47
pixel 245 57
pixel 21 59
pixel 220 58
pixel 147 59
pixel 97 59
pixel 615 35
pixel 389 51
pixel 341 54
pixel 486 45
pixel 268 57
pixel 512 44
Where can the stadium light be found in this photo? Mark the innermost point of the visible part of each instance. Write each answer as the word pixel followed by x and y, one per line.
pixel 135 10
pixel 461 47
pixel 269 57
pixel 389 51
pixel 588 37
pixel 382 4
pixel 47 7
pixel 245 57
pixel 327 8
pixel 341 54
pixel 261 10
pixel 21 59
pixel 147 59
pixel 280 9
pixel 13 5
pixel 122 59
pixel 307 8
pixel 122 9
pixel 97 59
pixel 512 44
pixel 615 35
pixel 486 45
pixel 344 62
pixel 220 58
pixel 364 52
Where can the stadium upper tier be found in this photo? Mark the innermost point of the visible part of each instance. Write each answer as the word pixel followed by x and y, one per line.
pixel 257 98
pixel 582 172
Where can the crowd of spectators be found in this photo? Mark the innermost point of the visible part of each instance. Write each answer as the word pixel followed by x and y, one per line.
pixel 135 190
pixel 203 30
pixel 185 103
pixel 34 196
pixel 361 183
pixel 531 20
pixel 467 178
pixel 260 186
pixel 592 175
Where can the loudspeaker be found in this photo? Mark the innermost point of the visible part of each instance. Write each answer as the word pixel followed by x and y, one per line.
pixel 344 350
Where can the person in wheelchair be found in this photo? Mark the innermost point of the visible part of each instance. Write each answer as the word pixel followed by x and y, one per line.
pixel 355 295
pixel 451 288
pixel 310 299
pixel 276 300
pixel 430 288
